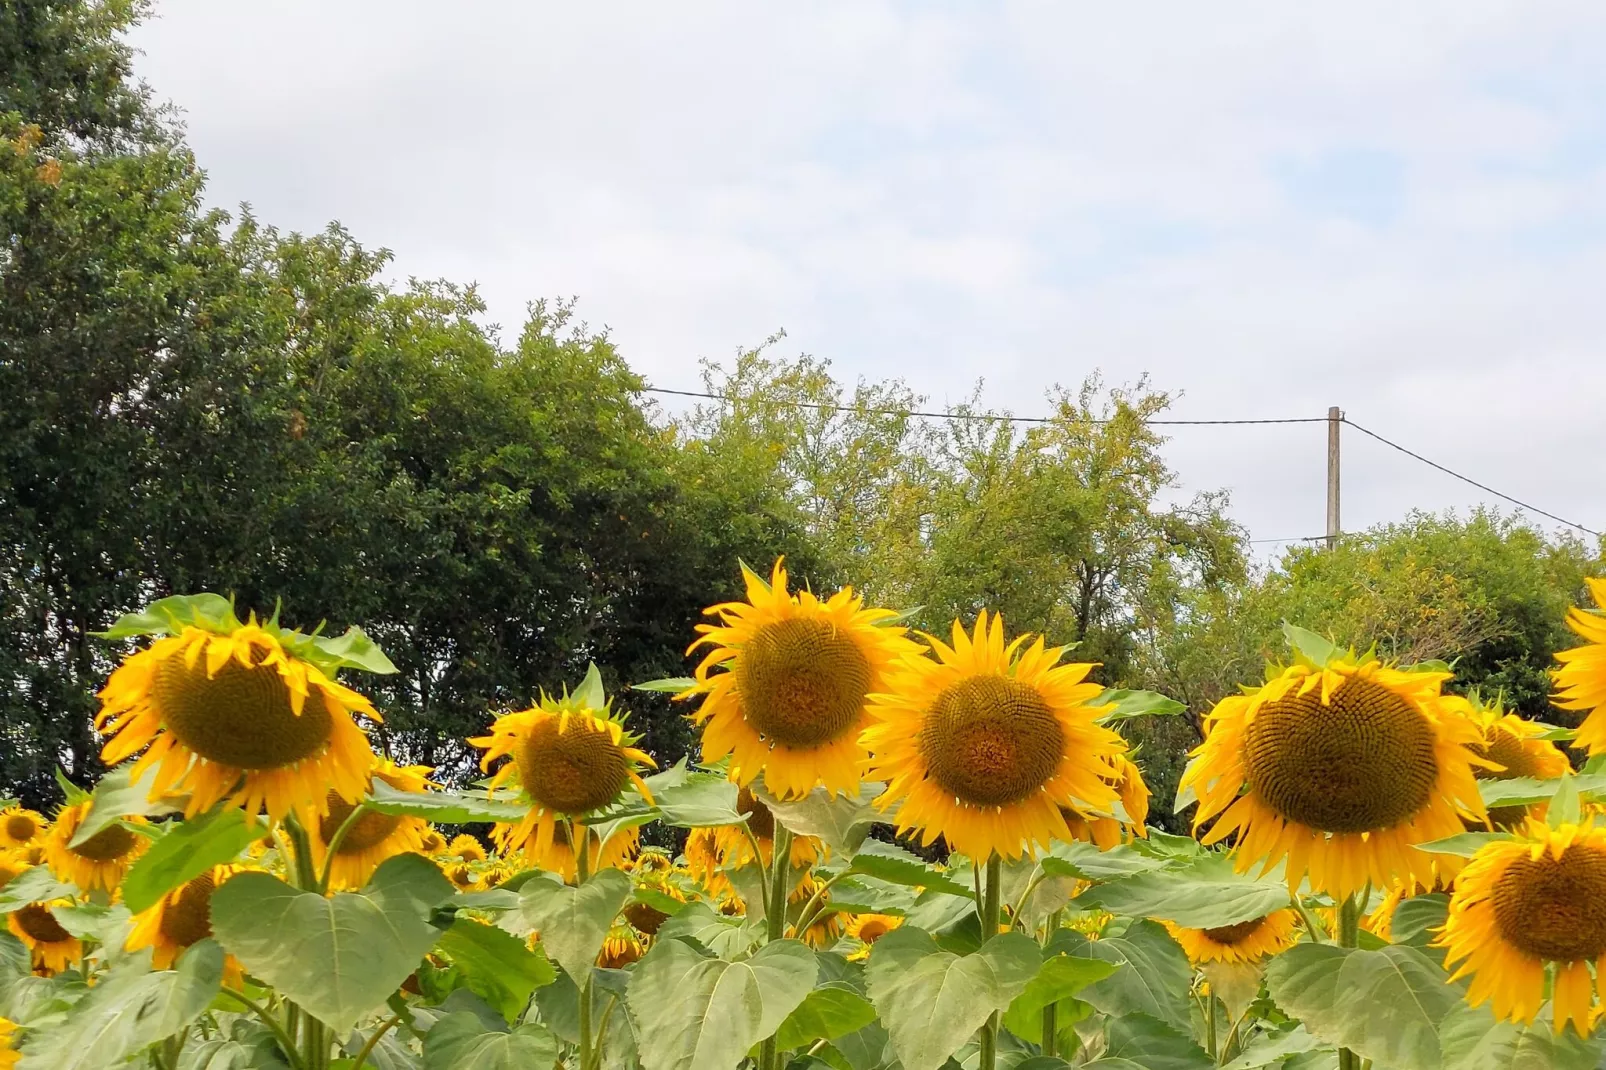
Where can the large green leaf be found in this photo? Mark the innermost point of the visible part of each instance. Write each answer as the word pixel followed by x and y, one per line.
pixel 573 922
pixel 932 1000
pixel 728 936
pixel 129 1008
pixel 340 956
pixel 36 885
pixel 909 872
pixel 1307 644
pixel 1525 791
pixel 830 1011
pixel 702 800
pixel 1417 918
pixel 696 1012
pixel 171 615
pixel 1385 1004
pixel 1129 704
pixel 1270 1049
pixel 1472 1039
pixel 352 649
pixel 1153 1044
pixel 116 796
pixel 841 822
pixel 1085 861
pixel 496 966
pixel 188 849
pixel 1205 894
pixel 1154 977
pixel 459 1041
pixel 1061 978
pixel 447 807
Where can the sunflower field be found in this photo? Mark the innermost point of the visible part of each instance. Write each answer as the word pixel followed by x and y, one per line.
pixel 896 850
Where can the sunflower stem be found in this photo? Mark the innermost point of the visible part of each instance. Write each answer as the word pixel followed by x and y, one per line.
pixel 373 1038
pixel 580 838
pixel 1051 1037
pixel 1210 1023
pixel 814 906
pixel 1349 935
pixel 279 1033
pixel 991 907
pixel 775 918
pixel 301 847
pixel 1317 934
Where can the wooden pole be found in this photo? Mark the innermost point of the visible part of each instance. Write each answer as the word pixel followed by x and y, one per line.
pixel 1334 418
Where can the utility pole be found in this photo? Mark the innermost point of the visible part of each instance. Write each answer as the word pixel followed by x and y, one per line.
pixel 1334 418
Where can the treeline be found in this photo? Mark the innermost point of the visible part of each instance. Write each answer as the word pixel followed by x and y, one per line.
pixel 193 402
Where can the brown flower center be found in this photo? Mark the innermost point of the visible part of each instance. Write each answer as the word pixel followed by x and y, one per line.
pixel 991 741
pixel 241 717
pixel 188 919
pixel 759 818
pixel 645 918
pixel 802 682
pixel 1232 934
pixel 1552 909
pixel 1361 763
pixel 371 829
pixel 21 828
pixel 1507 749
pixel 873 930
pixel 107 845
pixel 38 922
pixel 574 771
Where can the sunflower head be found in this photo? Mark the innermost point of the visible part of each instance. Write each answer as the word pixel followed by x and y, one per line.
pixel 98 863
pixel 466 847
pixel 20 827
pixel 371 836
pixel 785 685
pixel 1247 941
pixel 1107 832
pixel 1512 747
pixel 1339 765
pixel 180 918
pixel 868 928
pixel 987 744
pixel 1581 676
pixel 244 711
pixel 9 1056
pixel 621 947
pixel 51 946
pixel 1531 908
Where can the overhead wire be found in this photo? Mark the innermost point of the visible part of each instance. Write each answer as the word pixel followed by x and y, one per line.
pixel 1006 417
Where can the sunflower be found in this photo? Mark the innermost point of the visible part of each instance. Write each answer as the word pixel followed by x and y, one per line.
pixel 1581 679
pixel 52 947
pixel 1513 745
pixel 736 850
pixel 1247 941
pixel 466 847
pixel 236 715
pixel 791 701
pixel 868 928
pixel 433 843
pixel 1106 832
pixel 180 918
pixel 621 947
pixel 558 856
pixel 8 1054
pixel 99 863
pixel 652 863
pixel 986 744
pixel 462 876
pixel 826 926
pixel 570 756
pixel 373 836
pixel 1523 905
pixel 20 827
pixel 1340 768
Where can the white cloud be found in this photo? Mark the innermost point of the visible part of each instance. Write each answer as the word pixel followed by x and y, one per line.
pixel 1023 192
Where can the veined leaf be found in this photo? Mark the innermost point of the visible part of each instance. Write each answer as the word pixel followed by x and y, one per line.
pixel 729 937
pixel 446 807
pixel 673 685
pixel 1307 644
pixel 1061 978
pixel 1417 918
pixel 909 873
pixel 590 693
pixel 1154 977
pixel 1129 704
pixel 171 615
pixel 841 822
pixel 496 966
pixel 1153 1044
pixel 1204 894
pixel 1270 1049
pixel 1385 1004
pixel 702 800
pixel 351 650
pixel 1525 791
pixel 115 797
pixel 696 1012
pixel 339 956
pixel 573 922
pixel 128 1009
pixel 188 849
pixel 459 1041
pixel 1464 844
pixel 931 1000
pixel 36 885
pixel 1473 1040
pixel 1085 861
pixel 830 1011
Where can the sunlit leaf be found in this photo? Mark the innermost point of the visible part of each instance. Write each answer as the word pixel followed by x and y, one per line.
pixel 446 807
pixel 841 822
pixel 1204 894
pixel 828 1012
pixel 189 849
pixel 573 922
pixel 495 965
pixel 1129 704
pixel 460 1041
pixel 1154 978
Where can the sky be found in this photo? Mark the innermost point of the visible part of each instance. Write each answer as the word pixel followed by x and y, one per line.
pixel 1396 209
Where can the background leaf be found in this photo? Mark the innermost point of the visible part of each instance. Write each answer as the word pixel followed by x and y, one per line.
pixel 1129 704
pixel 1205 894
pixel 185 851
pixel 446 807
pixel 830 1011
pixel 573 922
pixel 841 822
pixel 1153 1044
pixel 702 800
pixel 1472 1039
pixel 1154 978
pixel 496 966
pixel 460 1041
pixel 115 797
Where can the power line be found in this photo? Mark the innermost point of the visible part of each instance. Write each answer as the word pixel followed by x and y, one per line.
pixel 1297 538
pixel 1466 479
pixel 821 406
pixel 825 407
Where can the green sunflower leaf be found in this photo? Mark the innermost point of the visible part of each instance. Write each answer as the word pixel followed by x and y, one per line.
pixel 1058 982
pixel 496 965
pixel 189 849
pixel 460 1041
pixel 830 1011
pixel 1525 791
pixel 351 650
pixel 117 796
pixel 841 822
pixel 673 685
pixel 1464 844
pixel 931 1001
pixel 573 921
pixel 702 800
pixel 36 885
pixel 446 807
pixel 171 615
pixel 1473 1040
pixel 1129 704
pixel 1204 894
pixel 1154 1044
pixel 1308 645
pixel 1153 979
pixel 1085 861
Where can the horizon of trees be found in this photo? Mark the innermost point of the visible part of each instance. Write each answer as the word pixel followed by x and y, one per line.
pixel 201 402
